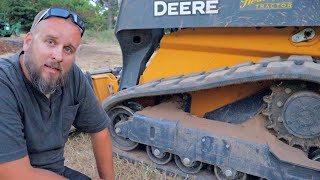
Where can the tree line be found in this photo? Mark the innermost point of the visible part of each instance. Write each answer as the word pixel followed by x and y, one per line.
pixel 100 17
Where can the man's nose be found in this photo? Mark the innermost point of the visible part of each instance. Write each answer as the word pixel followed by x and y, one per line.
pixel 57 54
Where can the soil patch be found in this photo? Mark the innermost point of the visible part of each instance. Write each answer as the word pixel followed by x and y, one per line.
pixel 10 45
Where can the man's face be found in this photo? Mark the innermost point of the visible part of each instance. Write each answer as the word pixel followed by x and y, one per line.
pixel 50 52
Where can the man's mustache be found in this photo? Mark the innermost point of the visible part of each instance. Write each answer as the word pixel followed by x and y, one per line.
pixel 54 65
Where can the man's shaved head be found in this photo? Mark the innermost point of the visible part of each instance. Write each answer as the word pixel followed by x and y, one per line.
pixel 36 19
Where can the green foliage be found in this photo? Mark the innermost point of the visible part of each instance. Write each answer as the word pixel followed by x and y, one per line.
pixel 21 11
pixel 112 11
pixel 97 23
pixel 24 11
pixel 4 4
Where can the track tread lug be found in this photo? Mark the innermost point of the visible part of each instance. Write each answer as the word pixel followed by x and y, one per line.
pixel 300 58
pixel 218 69
pixel 249 63
pixel 269 60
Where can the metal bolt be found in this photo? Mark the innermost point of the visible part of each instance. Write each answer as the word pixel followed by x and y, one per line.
pixel 228 173
pixel 279 104
pixel 186 161
pixel 227 146
pixel 288 90
pixel 203 140
pixel 118 130
pixel 156 152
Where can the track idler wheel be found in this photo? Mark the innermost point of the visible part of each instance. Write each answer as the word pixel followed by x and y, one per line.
pixel 186 165
pixel 293 113
pixel 158 156
pixel 228 174
pixel 120 114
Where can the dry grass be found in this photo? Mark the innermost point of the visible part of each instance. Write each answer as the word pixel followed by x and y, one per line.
pixel 79 156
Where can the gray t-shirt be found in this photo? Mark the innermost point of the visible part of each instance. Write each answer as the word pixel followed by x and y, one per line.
pixel 31 124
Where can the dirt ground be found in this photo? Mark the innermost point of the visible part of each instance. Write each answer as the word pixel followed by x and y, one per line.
pixel 9 45
pixel 78 150
pixel 90 55
pixel 94 56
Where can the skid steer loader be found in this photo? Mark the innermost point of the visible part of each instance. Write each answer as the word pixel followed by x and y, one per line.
pixel 217 89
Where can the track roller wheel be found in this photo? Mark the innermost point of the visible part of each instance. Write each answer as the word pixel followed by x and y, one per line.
pixel 188 166
pixel 117 115
pixel 228 174
pixel 158 156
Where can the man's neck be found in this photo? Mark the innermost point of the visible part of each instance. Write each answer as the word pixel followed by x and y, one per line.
pixel 23 66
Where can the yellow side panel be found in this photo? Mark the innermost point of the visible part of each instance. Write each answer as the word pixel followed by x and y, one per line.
pixel 203 49
pixel 102 83
pixel 208 100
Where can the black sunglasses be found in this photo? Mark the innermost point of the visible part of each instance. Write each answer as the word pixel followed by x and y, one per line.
pixel 63 13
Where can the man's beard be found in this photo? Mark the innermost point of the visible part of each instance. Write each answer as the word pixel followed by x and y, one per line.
pixel 45 86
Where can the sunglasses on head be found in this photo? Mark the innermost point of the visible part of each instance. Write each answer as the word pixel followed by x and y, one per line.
pixel 63 13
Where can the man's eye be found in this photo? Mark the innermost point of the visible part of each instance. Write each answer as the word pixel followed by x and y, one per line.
pixel 50 41
pixel 68 50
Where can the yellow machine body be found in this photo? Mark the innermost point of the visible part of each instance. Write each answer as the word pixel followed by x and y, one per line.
pixel 203 49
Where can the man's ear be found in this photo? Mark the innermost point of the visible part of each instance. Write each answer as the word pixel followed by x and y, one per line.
pixel 27 41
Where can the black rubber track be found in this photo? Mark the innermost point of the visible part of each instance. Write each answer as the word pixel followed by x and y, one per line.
pixel 302 68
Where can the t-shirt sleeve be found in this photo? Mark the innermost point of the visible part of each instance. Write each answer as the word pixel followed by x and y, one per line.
pixel 12 140
pixel 91 117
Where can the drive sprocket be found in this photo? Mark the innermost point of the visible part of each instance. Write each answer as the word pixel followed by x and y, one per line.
pixel 293 113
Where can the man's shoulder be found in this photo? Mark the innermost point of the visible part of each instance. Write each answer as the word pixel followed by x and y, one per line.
pixel 9 61
pixel 75 78
pixel 77 74
pixel 77 82
pixel 9 67
pixel 75 69
pixel 6 62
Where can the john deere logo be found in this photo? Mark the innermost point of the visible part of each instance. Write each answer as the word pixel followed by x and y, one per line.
pixel 177 8
pixel 265 4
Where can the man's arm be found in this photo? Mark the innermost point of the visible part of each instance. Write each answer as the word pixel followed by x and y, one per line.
pixel 102 148
pixel 21 169
pixel 14 159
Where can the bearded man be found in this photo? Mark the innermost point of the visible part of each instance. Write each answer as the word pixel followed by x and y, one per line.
pixel 43 93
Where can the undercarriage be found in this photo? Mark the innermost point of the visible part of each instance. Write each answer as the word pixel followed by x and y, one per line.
pixel 196 143
pixel 278 139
